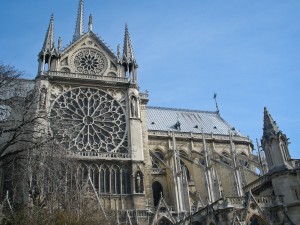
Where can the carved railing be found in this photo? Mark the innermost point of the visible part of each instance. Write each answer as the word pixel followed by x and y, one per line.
pixel 109 155
pixel 86 76
pixel 144 95
pixel 296 163
pixel 235 201
pixel 197 136
pixel 269 200
pixel 256 183
pixel 158 171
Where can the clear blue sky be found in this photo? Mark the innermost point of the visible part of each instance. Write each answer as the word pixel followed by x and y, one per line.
pixel 248 52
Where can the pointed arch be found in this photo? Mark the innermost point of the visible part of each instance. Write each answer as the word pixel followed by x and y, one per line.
pixel 157 190
pixel 115 180
pixel 125 180
pixel 184 168
pixel 164 221
pixel 104 174
pixel 256 220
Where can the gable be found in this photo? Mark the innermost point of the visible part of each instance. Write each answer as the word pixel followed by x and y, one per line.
pixel 88 55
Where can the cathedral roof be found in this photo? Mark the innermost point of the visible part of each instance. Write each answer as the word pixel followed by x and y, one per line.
pixel 185 120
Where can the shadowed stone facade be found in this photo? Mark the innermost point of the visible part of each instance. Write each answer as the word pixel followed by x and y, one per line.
pixel 164 165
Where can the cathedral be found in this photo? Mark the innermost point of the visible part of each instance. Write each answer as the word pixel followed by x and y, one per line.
pixel 156 165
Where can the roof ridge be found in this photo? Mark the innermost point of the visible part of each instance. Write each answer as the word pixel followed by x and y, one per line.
pixel 181 109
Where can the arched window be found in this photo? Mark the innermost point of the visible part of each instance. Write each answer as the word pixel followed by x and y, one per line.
pixel 159 155
pixel 255 220
pixel 115 180
pixel 82 174
pixel 184 168
pixel 164 221
pixel 126 187
pixel 226 158
pixel 157 190
pixel 155 159
pixel 94 175
pixel 104 179
pixel 243 162
pixel 183 153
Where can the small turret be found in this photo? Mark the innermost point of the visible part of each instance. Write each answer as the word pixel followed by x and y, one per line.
pixel 79 27
pixel 49 39
pixel 90 22
pixel 49 51
pixel 275 144
pixel 128 60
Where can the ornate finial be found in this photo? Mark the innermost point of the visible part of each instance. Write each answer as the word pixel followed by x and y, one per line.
pixel 269 124
pixel 127 48
pixel 90 22
pixel 79 28
pixel 49 39
pixel 118 51
pixel 217 107
pixel 59 43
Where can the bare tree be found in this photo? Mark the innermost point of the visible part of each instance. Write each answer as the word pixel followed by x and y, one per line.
pixel 18 117
pixel 44 184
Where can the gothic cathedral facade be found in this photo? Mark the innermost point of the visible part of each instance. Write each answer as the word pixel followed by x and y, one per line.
pixel 160 165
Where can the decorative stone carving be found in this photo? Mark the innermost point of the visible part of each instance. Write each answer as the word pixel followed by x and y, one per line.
pixel 90 61
pixel 43 96
pixel 139 184
pixel 89 119
pixel 133 107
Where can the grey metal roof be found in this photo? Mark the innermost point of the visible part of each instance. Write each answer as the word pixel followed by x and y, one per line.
pixel 164 119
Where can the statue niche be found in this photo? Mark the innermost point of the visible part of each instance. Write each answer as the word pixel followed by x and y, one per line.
pixel 133 107
pixel 43 96
pixel 139 184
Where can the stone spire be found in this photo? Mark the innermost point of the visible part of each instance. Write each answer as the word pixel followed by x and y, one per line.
pixel 128 61
pixel 90 22
pixel 49 39
pixel 79 28
pixel 128 56
pixel 275 144
pixel 270 126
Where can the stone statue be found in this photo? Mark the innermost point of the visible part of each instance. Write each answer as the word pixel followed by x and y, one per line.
pixel 139 183
pixel 43 97
pixel 59 45
pixel 133 107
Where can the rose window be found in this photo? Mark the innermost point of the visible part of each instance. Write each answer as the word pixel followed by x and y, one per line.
pixel 88 119
pixel 90 61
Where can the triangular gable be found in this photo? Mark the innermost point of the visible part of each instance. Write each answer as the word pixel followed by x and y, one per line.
pixel 249 211
pixel 128 220
pixel 158 214
pixel 236 221
pixel 99 43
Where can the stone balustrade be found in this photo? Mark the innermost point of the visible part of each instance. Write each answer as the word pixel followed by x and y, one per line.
pixel 296 163
pixel 158 171
pixel 144 95
pixel 197 136
pixel 99 155
pixel 87 76
pixel 256 183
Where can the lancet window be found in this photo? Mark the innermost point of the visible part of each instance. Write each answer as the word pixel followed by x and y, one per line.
pixel 156 161
pixel 106 179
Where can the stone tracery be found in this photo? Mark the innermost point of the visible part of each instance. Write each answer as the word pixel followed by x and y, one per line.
pixel 88 119
pixel 90 61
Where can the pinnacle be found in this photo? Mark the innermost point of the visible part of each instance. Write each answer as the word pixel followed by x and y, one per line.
pixel 79 27
pixel 49 39
pixel 127 48
pixel 269 124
